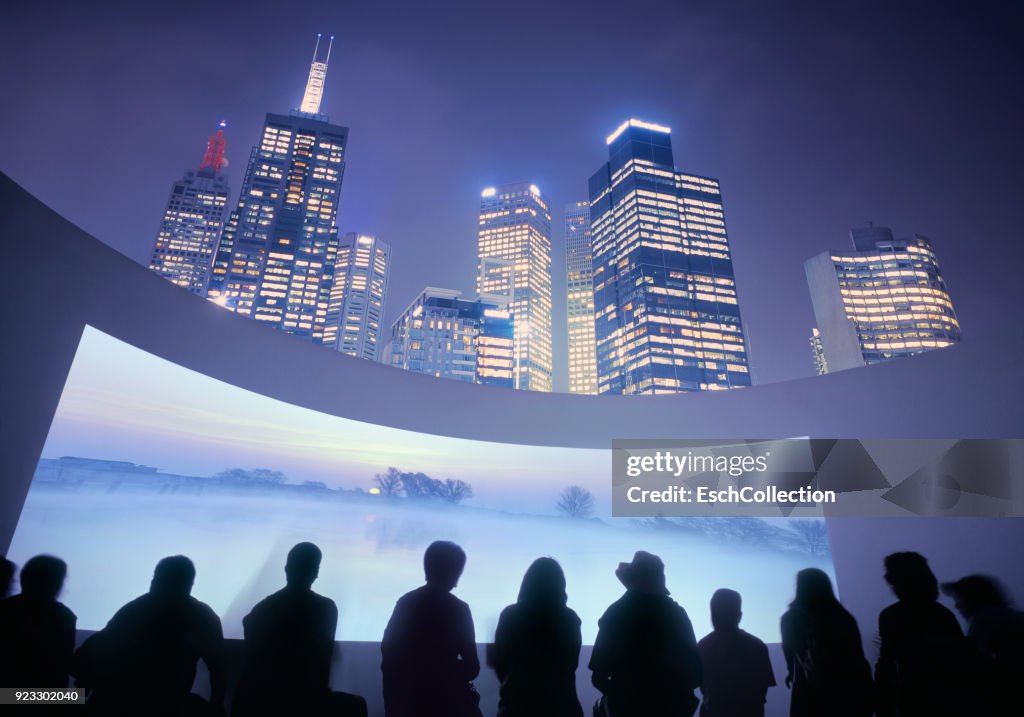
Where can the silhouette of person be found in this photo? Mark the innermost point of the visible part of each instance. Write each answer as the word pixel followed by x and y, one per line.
pixel 144 660
pixel 735 665
pixel 824 655
pixel 289 644
pixel 645 661
pixel 537 648
pixel 37 631
pixel 7 569
pixel 429 658
pixel 919 669
pixel 995 636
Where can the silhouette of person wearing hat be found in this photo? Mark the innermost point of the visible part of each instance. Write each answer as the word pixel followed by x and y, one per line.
pixel 645 661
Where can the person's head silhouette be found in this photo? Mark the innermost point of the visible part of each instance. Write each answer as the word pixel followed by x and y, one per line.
pixel 543 584
pixel 976 593
pixel 910 577
pixel 173 577
pixel 302 566
pixel 813 589
pixel 726 609
pixel 43 577
pixel 443 563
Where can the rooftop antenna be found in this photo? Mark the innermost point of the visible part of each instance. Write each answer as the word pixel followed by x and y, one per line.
pixel 315 84
pixel 213 159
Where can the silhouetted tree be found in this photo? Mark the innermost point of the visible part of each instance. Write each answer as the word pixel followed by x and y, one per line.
pixel 419 486
pixel 454 491
pixel 575 502
pixel 389 482
pixel 813 535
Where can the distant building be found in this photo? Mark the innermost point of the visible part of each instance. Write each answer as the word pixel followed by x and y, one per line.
pixel 579 281
pixel 666 310
pixel 514 260
pixel 193 217
pixel 276 257
pixel 883 300
pixel 818 351
pixel 444 335
pixel 355 309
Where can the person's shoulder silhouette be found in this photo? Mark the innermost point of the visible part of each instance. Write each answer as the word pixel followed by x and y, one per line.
pixel 537 648
pixel 645 659
pixel 7 570
pixel 736 669
pixel 36 630
pixel 428 652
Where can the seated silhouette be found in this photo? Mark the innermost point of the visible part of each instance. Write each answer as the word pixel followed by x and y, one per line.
pixel 289 645
pixel 37 632
pixel 429 658
pixel 995 639
pixel 920 657
pixel 537 648
pixel 735 665
pixel 824 655
pixel 645 661
pixel 144 660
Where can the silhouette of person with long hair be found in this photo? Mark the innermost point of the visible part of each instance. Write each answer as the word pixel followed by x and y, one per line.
pixel 824 655
pixel 537 648
pixel 995 636
pixel 920 657
pixel 736 669
pixel 645 661
pixel 429 658
pixel 289 645
pixel 144 660
pixel 37 632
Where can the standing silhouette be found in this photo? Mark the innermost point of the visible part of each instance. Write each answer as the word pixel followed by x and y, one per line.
pixel 995 635
pixel 920 658
pixel 736 669
pixel 537 648
pixel 824 655
pixel 429 658
pixel 289 645
pixel 37 632
pixel 645 661
pixel 144 660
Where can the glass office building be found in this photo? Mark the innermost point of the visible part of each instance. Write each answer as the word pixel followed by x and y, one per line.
pixel 883 300
pixel 514 261
pixel 579 284
pixel 192 221
pixel 444 335
pixel 358 294
pixel 666 310
pixel 276 256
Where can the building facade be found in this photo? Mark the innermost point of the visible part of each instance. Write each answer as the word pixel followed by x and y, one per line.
pixel 355 308
pixel 514 260
pixel 885 299
pixel 276 256
pixel 444 335
pixel 193 218
pixel 579 284
pixel 666 310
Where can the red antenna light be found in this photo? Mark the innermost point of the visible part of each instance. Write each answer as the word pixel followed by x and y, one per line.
pixel 213 159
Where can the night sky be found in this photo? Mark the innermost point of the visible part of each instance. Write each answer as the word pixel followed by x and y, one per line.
pixel 816 117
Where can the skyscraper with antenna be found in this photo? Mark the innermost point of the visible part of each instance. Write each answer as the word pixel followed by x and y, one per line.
pixel 275 261
pixel 193 216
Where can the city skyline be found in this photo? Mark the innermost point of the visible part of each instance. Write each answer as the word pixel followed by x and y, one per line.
pixel 805 180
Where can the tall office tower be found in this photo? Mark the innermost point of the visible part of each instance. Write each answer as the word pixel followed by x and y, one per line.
pixel 883 300
pixel 514 260
pixel 667 317
pixel 355 308
pixel 194 215
pixel 444 335
pixel 579 282
pixel 818 351
pixel 277 253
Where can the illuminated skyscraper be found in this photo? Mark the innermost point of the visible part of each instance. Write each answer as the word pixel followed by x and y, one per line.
pixel 442 334
pixel 193 218
pixel 883 300
pixel 667 317
pixel 276 255
pixel 356 305
pixel 514 260
pixel 580 299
